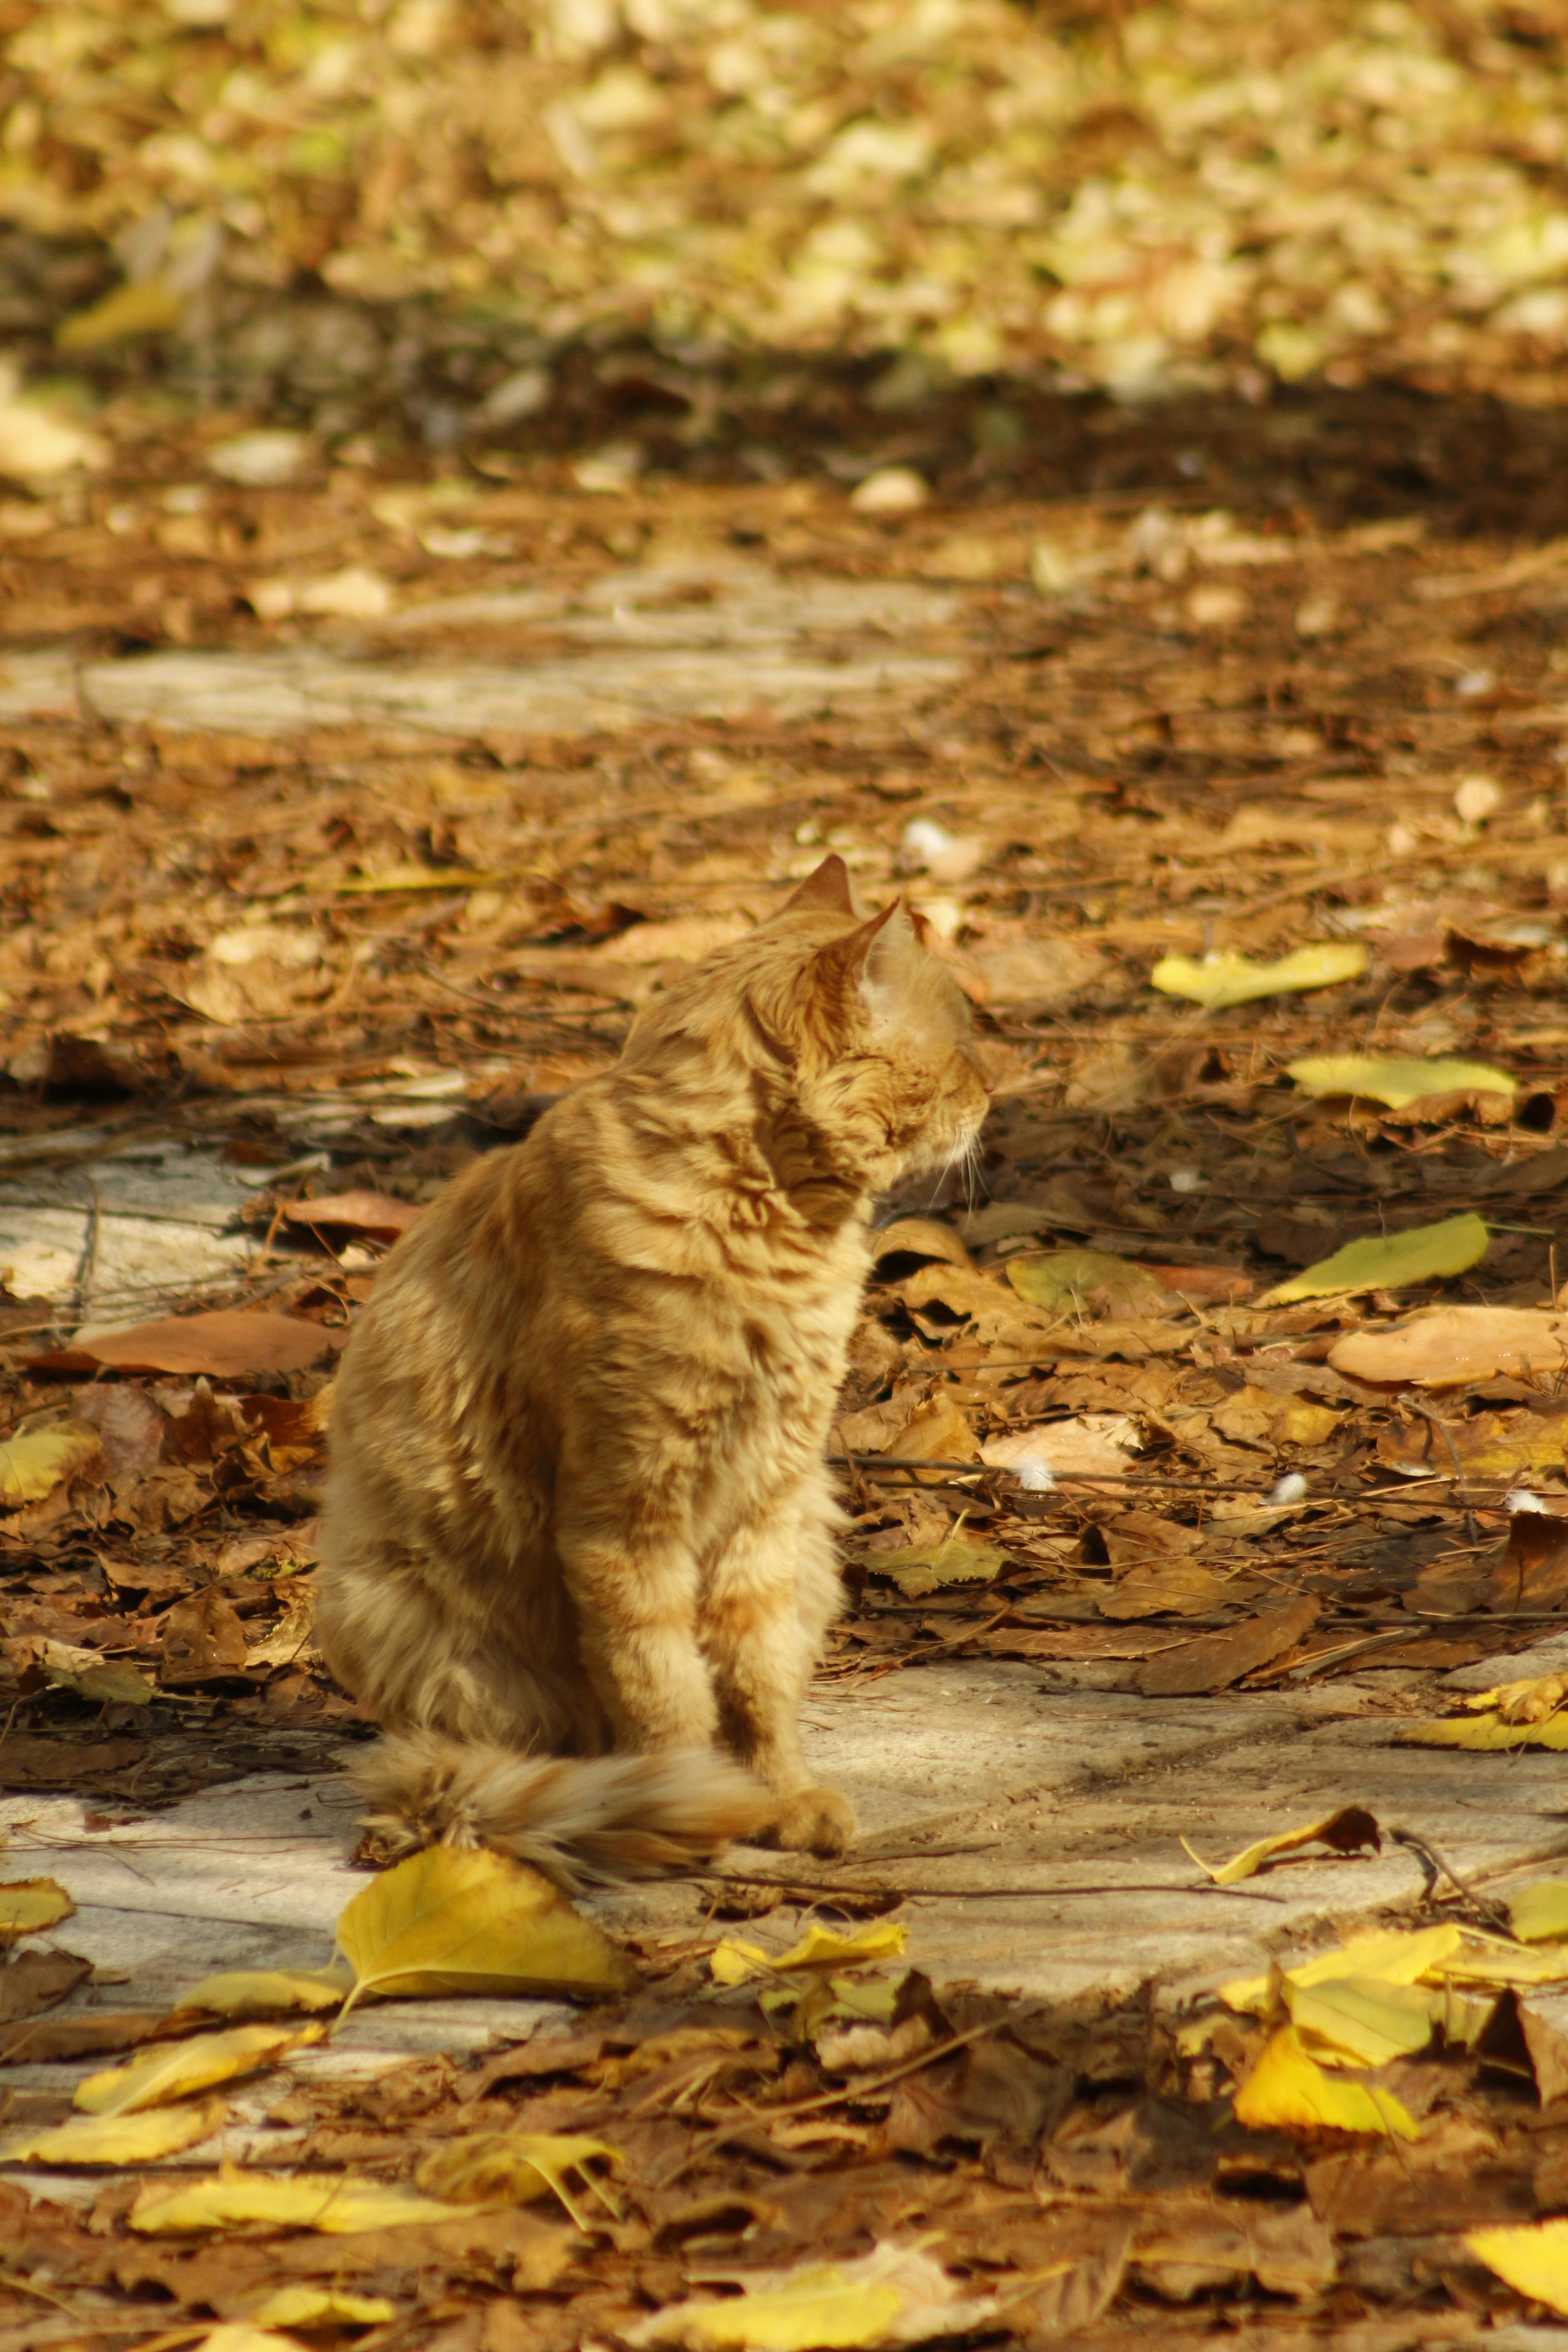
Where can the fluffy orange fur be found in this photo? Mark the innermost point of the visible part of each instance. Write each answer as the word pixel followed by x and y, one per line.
pixel 578 1543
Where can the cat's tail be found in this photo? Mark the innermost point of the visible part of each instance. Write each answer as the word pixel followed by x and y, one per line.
pixel 576 1819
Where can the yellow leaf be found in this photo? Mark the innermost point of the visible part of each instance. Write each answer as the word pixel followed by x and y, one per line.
pixel 32 1465
pixel 1359 2021
pixel 1538 1914
pixel 236 2336
pixel 1397 1955
pixel 1399 1081
pixel 117 2139
pixel 447 1921
pixel 1287 2091
pixel 1067 1277
pixel 1485 1732
pixel 1530 1700
pixel 512 2168
pixel 333 2202
pixel 733 1961
pixel 320 2307
pixel 1350 1831
pixel 893 2294
pixel 1388 1261
pixel 1532 2257
pixel 1228 978
pixel 244 1993
pixel 30 1905
pixel 919 1568
pixel 147 308
pixel 1507 1964
pixel 158 2076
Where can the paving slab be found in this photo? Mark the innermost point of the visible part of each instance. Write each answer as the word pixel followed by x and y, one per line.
pixel 1037 1833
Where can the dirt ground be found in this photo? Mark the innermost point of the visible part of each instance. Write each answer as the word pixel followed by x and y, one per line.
pixel 348 820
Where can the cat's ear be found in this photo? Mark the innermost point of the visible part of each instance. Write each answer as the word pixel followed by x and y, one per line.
pixel 826 887
pixel 871 951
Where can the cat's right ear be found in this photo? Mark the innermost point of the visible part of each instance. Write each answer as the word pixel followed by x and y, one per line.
pixel 825 888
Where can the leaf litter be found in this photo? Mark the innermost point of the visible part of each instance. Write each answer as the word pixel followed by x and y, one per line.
pixel 1245 681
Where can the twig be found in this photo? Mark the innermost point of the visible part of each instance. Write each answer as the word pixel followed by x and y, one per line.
pixel 88 1272
pixel 1433 1867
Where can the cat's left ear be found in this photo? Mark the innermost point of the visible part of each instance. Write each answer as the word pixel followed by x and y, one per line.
pixel 874 953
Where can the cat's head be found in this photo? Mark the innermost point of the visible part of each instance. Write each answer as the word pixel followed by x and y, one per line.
pixel 857 1036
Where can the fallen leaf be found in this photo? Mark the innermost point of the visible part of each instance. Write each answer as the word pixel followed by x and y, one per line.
pixel 935 1432
pixel 375 1214
pixel 107 1681
pixel 243 1992
pixel 1258 1414
pixel 34 1463
pixel 1478 1446
pixel 895 2295
pixel 732 1961
pixel 1072 1280
pixel 1538 1914
pixel 227 1343
pixel 1451 1346
pixel 1213 1661
pixel 512 2168
pixel 1486 1733
pixel 1179 1588
pixel 117 2139
pixel 448 1921
pixel 320 2307
pixel 1529 1701
pixel 143 306
pixel 1358 2021
pixel 1399 1956
pixel 917 1238
pixel 333 2202
pixel 1289 2091
pixel 919 1568
pixel 28 1907
pixel 32 1981
pixel 1397 1082
pixel 204 1638
pixel 1092 1444
pixel 1532 2257
pixel 1389 1261
pixel 1226 978
pixel 1352 1830
pixel 159 2076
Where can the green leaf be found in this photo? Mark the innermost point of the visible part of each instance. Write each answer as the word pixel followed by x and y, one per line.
pixel 1388 1261
pixel 1399 1081
pixel 1226 978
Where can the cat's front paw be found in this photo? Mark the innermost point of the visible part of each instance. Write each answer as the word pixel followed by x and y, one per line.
pixel 813 1821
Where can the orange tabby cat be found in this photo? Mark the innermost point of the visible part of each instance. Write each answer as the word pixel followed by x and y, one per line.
pixel 578 1540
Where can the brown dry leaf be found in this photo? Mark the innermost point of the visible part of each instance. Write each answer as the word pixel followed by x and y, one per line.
pixel 918 1568
pixel 1214 1661
pixel 227 1343
pixel 203 1637
pixel 935 1432
pixel 375 1214
pixel 1176 1588
pixel 1453 1345
pixel 1478 1446
pixel 37 1981
pixel 1260 1416
pixel 1075 1281
pixel 917 1238
pixel 1092 1444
